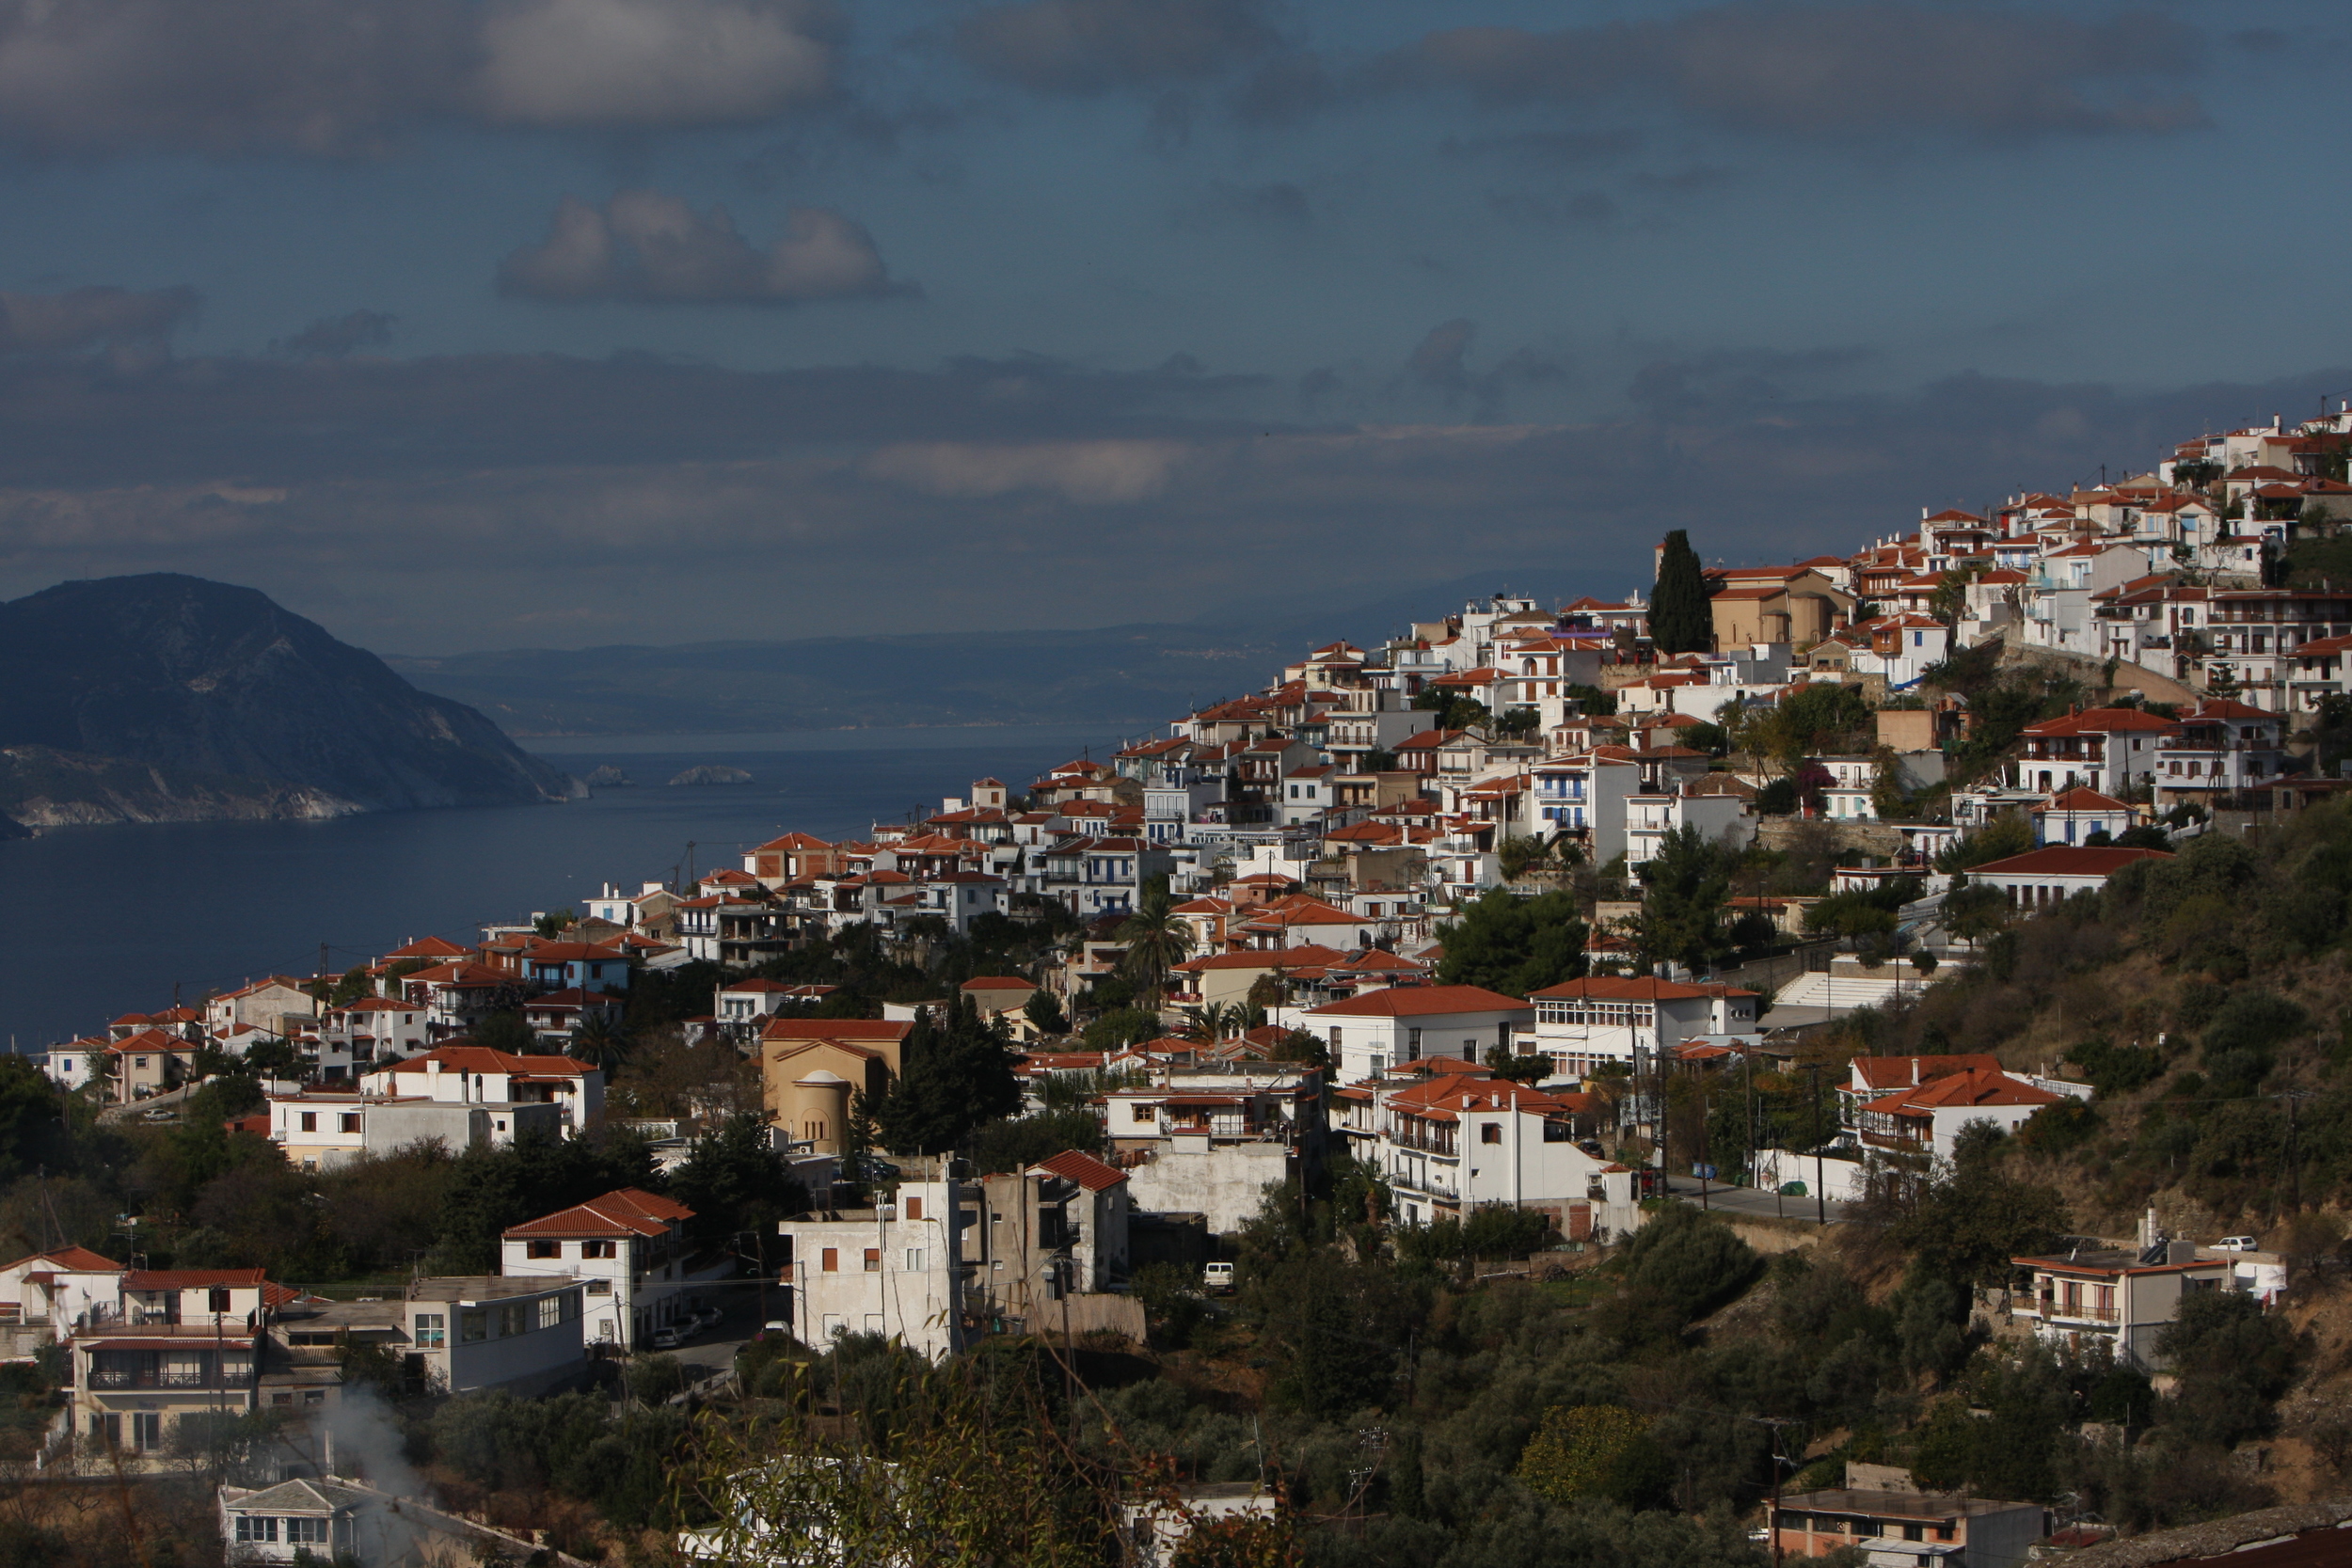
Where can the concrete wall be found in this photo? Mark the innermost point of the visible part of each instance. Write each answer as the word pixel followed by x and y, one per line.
pixel 1226 1182
pixel 1842 1180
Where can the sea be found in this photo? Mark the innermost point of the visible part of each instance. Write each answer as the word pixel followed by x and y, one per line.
pixel 99 922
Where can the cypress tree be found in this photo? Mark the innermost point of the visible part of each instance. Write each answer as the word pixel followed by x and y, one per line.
pixel 1679 621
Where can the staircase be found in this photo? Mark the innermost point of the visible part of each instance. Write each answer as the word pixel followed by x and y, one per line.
pixel 1818 990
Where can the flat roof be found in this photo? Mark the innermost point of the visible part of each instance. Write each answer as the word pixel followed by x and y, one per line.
pixel 1901 1505
pixel 476 1287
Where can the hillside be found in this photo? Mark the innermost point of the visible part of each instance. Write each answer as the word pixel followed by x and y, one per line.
pixel 162 697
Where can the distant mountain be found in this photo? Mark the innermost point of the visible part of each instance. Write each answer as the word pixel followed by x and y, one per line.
pixel 1129 678
pixel 169 697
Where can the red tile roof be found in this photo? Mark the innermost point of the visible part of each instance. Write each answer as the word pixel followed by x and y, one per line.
pixel 1643 989
pixel 1420 1001
pixel 2067 859
pixel 191 1279
pixel 624 1211
pixel 1083 1168
pixel 70 1259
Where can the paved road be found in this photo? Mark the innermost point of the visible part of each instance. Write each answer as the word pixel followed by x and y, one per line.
pixel 713 1350
pixel 1747 1201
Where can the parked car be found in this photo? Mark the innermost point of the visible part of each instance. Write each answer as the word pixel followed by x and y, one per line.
pixel 1217 1279
pixel 666 1338
pixel 2237 1244
pixel 708 1317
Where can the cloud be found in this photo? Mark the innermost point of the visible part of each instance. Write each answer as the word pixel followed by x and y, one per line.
pixel 1089 473
pixel 1278 205
pixel 1550 147
pixel 120 318
pixel 1439 359
pixel 651 248
pixel 1836 70
pixel 333 337
pixel 341 77
pixel 624 499
pixel 1082 47
pixel 605 63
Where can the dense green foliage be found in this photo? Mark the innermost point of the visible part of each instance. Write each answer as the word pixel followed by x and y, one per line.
pixel 954 1074
pixel 1513 945
pixel 1680 619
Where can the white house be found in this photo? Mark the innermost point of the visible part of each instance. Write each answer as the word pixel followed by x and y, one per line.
pixel 890 1270
pixel 1459 1141
pixel 628 1250
pixel 1367 1034
pixel 478 1076
pixel 59 1289
pixel 472 1332
pixel 1926 1118
pixel 2054 873
pixel 374 1029
pixel 2072 817
pixel 319 1129
pixel 1584 1023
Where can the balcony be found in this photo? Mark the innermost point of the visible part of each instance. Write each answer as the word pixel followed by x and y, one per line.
pixel 109 1380
pixel 2049 1311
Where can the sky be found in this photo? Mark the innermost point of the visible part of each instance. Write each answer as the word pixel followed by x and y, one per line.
pixel 477 323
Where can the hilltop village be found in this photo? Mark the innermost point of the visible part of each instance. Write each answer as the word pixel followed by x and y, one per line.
pixel 1490 1004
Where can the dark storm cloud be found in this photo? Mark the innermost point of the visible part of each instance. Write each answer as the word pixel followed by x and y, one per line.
pixel 1839 71
pixel 1094 46
pixel 651 248
pixel 332 337
pixel 103 316
pixel 338 77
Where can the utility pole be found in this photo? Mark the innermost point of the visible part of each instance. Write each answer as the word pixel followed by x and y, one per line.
pixel 1821 1200
pixel 1773 1423
pixel 2295 1162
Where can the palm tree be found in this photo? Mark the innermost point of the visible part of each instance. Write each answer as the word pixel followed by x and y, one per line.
pixel 598 1040
pixel 1157 940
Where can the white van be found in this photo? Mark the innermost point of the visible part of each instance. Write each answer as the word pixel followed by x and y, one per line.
pixel 1217 1279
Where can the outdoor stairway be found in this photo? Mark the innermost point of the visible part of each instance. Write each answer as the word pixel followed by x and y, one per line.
pixel 1818 990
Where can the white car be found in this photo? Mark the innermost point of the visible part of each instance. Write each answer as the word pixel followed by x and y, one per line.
pixel 2237 1244
pixel 1218 1278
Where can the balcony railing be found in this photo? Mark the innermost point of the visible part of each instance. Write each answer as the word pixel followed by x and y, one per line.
pixel 106 1380
pixel 2051 1310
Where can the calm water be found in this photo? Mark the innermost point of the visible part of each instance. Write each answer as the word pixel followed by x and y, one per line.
pixel 98 922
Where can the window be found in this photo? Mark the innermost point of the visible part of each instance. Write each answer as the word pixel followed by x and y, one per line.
pixel 432 1331
pixel 147 1429
pixel 545 1249
pixel 1490 1133
pixel 550 1312
pixel 513 1318
pixel 915 1208
pixel 306 1532
pixel 914 1260
pixel 473 1327
pixel 873 1259
pixel 258 1528
pixel 830 1260
pixel 599 1249
pixel 351 1122
pixel 309 1118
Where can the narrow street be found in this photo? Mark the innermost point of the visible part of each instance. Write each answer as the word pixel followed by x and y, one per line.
pixel 1748 1200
